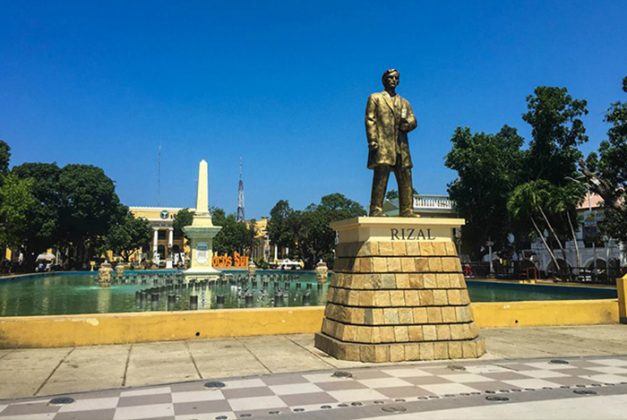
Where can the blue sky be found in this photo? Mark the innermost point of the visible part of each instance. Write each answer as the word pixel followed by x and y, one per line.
pixel 283 84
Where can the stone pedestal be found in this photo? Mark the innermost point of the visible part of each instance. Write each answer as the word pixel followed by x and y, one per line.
pixel 398 293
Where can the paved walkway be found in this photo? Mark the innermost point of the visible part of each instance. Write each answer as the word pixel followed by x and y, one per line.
pixel 462 389
pixel 40 372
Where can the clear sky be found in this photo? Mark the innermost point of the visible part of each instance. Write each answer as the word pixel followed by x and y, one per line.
pixel 283 84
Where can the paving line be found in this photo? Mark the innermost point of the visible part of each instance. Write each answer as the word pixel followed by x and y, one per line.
pixel 253 354
pixel 311 352
pixel 128 360
pixel 191 356
pixel 53 371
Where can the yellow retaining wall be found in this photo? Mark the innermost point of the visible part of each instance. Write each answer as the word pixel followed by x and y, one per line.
pixel 621 289
pixel 92 329
pixel 545 313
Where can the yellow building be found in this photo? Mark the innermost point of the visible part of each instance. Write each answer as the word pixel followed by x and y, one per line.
pixel 165 242
pixel 261 244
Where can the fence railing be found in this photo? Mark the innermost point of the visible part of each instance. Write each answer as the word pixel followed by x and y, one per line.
pixel 433 202
pixel 525 270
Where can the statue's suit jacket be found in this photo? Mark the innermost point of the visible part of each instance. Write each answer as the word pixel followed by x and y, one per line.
pixel 383 117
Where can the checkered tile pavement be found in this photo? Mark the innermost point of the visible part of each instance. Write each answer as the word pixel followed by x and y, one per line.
pixel 282 394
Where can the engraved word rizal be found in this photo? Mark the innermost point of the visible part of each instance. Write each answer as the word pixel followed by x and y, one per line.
pixel 410 234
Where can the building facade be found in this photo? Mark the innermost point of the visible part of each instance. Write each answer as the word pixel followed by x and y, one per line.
pixel 595 250
pixel 261 250
pixel 165 245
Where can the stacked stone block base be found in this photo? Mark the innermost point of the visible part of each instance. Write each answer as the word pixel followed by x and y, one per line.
pixel 398 352
pixel 398 300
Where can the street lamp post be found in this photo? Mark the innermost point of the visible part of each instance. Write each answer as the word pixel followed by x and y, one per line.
pixel 489 245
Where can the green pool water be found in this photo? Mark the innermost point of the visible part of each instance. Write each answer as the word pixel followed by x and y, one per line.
pixel 77 293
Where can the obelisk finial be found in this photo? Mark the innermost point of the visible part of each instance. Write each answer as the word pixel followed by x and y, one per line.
pixel 202 196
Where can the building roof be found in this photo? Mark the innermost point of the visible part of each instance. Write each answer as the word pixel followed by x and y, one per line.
pixel 158 208
pixel 590 201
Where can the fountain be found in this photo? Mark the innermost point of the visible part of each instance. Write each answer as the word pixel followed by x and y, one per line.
pixel 252 268
pixel 119 270
pixel 322 271
pixel 104 274
pixel 201 233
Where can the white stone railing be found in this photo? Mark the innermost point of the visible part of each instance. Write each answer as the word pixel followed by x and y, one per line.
pixel 433 203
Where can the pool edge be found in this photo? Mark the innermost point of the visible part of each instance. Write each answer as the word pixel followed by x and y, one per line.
pixel 137 327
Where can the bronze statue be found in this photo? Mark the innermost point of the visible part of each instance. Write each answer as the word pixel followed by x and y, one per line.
pixel 389 118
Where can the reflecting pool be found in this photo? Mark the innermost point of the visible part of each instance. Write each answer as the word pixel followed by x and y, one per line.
pixel 77 293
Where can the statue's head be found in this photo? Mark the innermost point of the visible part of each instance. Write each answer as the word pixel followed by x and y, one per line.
pixel 391 78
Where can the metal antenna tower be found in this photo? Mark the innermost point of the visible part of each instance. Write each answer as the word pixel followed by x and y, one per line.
pixel 240 195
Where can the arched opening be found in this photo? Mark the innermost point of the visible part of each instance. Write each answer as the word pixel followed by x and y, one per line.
pixel 599 265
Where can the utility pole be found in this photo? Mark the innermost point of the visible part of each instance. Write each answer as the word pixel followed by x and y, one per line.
pixel 159 176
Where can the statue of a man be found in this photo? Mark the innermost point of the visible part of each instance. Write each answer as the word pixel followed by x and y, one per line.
pixel 389 118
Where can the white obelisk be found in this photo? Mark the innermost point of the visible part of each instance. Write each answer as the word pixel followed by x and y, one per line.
pixel 202 231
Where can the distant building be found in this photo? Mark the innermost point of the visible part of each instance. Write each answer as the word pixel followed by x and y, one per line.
pixel 164 241
pixel 261 249
pixel 595 250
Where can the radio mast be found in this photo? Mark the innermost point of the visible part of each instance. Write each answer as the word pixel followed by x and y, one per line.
pixel 240 195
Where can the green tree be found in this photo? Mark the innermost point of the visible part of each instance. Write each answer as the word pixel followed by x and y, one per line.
pixel 5 157
pixel 89 207
pixel 391 194
pixel 16 203
pixel 282 225
pixel 556 130
pixel 315 238
pixel 488 168
pixel 606 174
pixel 128 234
pixel 551 163
pixel 534 201
pixel 234 236
pixel 42 225
pixel 183 218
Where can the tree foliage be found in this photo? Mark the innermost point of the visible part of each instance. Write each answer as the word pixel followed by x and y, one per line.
pixel 551 164
pixel 234 236
pixel 489 166
pixel 16 202
pixel 5 157
pixel 128 234
pixel 502 188
pixel 41 228
pixel 89 207
pixel 611 171
pixel 282 225
pixel 556 130
pixel 182 218
pixel 307 232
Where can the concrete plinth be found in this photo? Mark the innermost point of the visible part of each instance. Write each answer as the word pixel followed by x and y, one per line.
pixel 398 293
pixel 201 244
